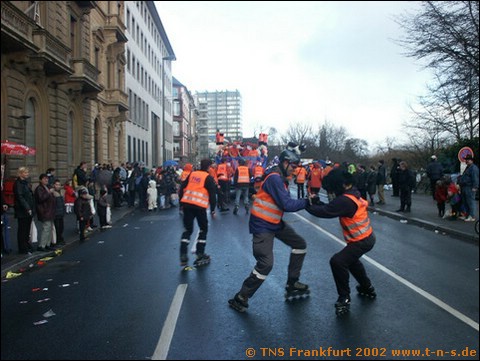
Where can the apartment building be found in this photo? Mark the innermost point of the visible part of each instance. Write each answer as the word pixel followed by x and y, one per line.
pixel 149 126
pixel 184 125
pixel 224 112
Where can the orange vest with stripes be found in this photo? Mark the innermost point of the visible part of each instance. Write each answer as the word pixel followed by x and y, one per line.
pixel 195 192
pixel 358 227
pixel 222 172
pixel 243 175
pixel 264 207
pixel 316 178
pixel 301 174
pixel 258 172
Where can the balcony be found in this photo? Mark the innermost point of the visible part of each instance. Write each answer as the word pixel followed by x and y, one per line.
pixel 30 43
pixel 115 23
pixel 117 97
pixel 86 76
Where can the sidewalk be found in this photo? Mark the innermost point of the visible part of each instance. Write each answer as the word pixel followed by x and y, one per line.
pixel 15 261
pixel 424 213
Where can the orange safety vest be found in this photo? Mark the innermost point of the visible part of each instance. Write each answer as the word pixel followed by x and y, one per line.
pixel 301 174
pixel 195 192
pixel 222 172
pixel 243 175
pixel 258 171
pixel 358 227
pixel 315 178
pixel 264 207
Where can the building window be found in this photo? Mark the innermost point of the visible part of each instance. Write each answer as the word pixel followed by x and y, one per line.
pixel 30 122
pixel 70 122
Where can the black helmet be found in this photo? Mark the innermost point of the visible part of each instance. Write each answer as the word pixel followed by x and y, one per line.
pixel 290 156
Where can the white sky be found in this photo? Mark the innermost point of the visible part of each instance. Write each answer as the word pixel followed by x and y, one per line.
pixel 299 61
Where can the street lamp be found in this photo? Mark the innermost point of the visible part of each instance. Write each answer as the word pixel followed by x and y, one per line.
pixel 164 138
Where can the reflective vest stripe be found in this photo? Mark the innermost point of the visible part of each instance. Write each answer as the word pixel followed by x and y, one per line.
pixel 195 192
pixel 357 227
pixel 243 175
pixel 264 207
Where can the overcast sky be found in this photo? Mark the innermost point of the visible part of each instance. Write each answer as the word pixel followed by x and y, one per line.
pixel 299 61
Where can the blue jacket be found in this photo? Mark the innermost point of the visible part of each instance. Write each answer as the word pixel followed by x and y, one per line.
pixel 275 186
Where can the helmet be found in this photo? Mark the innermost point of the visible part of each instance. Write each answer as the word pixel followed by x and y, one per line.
pixel 290 156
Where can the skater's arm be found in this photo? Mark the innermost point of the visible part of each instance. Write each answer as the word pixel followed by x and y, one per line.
pixel 275 187
pixel 211 187
pixel 340 206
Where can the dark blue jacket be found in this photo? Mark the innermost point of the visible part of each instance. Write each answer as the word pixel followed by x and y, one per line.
pixel 275 186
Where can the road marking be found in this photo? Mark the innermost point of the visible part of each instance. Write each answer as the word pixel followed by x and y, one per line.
pixel 163 345
pixel 410 285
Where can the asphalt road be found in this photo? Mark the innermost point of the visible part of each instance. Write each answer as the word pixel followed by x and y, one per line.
pixel 123 295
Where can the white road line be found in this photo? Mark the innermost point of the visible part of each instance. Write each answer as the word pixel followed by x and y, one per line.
pixel 410 285
pixel 163 345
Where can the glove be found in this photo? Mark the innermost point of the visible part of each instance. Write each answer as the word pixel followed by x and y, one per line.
pixel 315 200
pixel 212 213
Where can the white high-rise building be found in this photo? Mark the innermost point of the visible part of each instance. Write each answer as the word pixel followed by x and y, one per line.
pixel 148 82
pixel 224 112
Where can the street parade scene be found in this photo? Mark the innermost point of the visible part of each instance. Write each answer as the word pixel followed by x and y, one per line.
pixel 292 214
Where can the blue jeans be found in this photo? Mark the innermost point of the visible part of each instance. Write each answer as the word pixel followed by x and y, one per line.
pixel 238 193
pixel 468 200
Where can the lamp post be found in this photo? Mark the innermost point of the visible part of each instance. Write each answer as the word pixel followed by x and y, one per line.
pixel 164 138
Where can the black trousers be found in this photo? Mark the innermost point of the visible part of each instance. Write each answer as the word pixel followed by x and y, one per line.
pixel 263 253
pixel 23 235
pixel 348 261
pixel 190 213
pixel 58 222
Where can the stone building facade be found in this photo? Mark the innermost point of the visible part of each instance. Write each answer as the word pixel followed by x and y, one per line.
pixel 62 83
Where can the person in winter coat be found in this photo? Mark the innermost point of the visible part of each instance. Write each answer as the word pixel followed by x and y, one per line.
pixel 83 211
pixel 266 223
pixel 24 207
pixel 352 211
pixel 45 206
pixel 152 195
pixel 196 194
pixel 406 183
pixel 70 196
pixel 372 184
pixel 59 211
pixel 434 173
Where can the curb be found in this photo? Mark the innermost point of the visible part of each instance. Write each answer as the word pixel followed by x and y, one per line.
pixel 468 237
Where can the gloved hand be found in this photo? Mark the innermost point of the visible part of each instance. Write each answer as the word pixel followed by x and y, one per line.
pixel 314 199
pixel 212 213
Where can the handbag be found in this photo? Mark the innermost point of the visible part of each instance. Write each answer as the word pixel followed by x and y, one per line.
pixel 33 233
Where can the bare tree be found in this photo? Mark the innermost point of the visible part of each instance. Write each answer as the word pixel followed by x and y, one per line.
pixel 300 133
pixel 445 34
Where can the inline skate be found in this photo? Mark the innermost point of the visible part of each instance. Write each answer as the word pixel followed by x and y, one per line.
pixel 202 260
pixel 342 306
pixel 239 303
pixel 296 291
pixel 366 291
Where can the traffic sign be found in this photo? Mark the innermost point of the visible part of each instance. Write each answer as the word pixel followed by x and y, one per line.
pixel 463 152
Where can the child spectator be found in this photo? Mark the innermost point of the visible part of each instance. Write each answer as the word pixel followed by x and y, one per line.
pixel 102 207
pixel 70 196
pixel 83 210
pixel 440 195
pixel 152 195
pixel 453 197
pixel 59 211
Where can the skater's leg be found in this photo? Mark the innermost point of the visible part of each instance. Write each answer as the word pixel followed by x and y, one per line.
pixel 356 268
pixel 299 249
pixel 188 217
pixel 263 253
